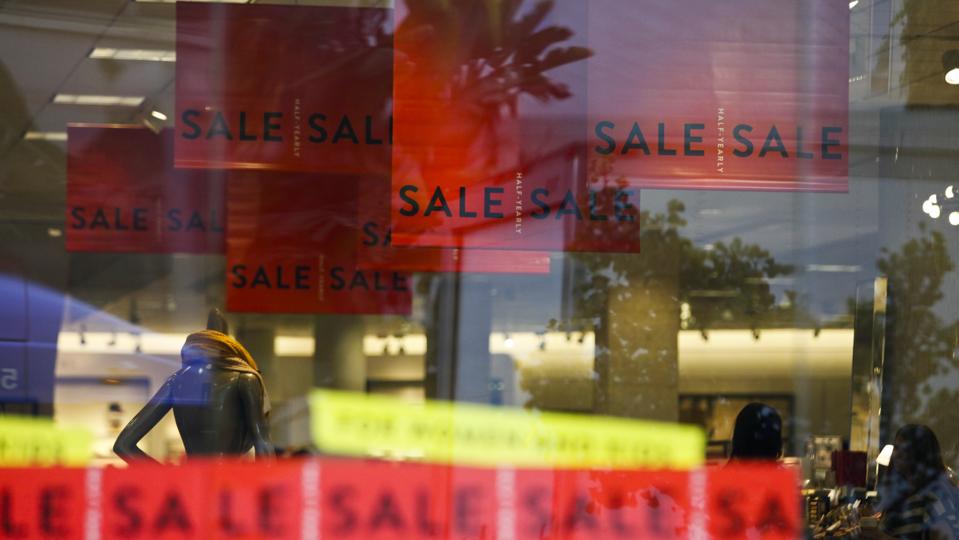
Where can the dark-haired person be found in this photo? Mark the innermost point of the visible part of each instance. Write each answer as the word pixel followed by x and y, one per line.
pixel 758 434
pixel 919 501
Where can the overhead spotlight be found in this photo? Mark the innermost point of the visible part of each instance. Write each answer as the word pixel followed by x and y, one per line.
pixel 931 207
pixel 954 219
pixel 853 4
pixel 950 192
pixel 158 115
pixel 950 63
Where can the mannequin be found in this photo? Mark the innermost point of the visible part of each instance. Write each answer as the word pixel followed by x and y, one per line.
pixel 218 399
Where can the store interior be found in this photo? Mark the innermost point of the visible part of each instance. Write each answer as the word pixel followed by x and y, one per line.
pixel 736 297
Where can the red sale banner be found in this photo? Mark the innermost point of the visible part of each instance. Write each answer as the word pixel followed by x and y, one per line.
pixel 42 503
pixel 254 500
pixel 156 501
pixel 745 499
pixel 684 95
pixel 377 500
pixel 295 88
pixel 293 248
pixel 585 505
pixel 123 195
pixel 389 501
pixel 489 108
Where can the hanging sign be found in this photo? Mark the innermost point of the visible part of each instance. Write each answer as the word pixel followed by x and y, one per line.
pixel 738 95
pixel 295 88
pixel 376 250
pixel 487 147
pixel 293 247
pixel 123 195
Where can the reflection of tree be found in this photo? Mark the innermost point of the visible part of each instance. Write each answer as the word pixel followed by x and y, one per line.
pixel 463 66
pixel 635 302
pixel 478 57
pixel 725 285
pixel 920 345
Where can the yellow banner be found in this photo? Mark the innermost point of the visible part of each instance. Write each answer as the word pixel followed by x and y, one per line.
pixel 31 441
pixel 469 434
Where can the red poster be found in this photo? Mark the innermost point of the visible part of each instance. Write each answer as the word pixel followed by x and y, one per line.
pixel 488 137
pixel 156 502
pixel 42 503
pixel 296 88
pixel 377 252
pixel 123 195
pixel 365 500
pixel 293 248
pixel 734 95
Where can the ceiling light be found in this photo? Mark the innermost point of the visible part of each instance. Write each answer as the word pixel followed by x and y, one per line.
pixel 952 76
pixel 950 63
pixel 146 55
pixel 954 219
pixel 158 115
pixel 45 136
pixel 833 268
pixel 92 99
pixel 950 192
pixel 853 4
pixel 931 207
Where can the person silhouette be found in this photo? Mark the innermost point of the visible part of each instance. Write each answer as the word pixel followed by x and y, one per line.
pixel 218 397
pixel 918 500
pixel 758 434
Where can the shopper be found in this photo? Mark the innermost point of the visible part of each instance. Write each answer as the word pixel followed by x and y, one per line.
pixel 758 434
pixel 919 501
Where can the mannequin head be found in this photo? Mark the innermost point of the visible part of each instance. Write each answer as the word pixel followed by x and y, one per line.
pixel 217 321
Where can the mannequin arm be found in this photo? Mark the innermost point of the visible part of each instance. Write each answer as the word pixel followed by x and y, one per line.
pixel 154 411
pixel 251 393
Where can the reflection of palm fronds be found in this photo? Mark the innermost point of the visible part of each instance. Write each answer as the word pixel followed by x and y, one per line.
pixel 490 53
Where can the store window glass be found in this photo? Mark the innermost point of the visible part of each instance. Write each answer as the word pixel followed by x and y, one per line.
pixel 653 213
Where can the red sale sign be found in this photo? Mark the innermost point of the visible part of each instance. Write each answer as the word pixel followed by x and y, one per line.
pixel 582 505
pixel 293 248
pixel 744 499
pixel 155 501
pixel 377 251
pixel 686 95
pixel 488 135
pixel 380 500
pixel 389 501
pixel 123 195
pixel 295 88
pixel 42 503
